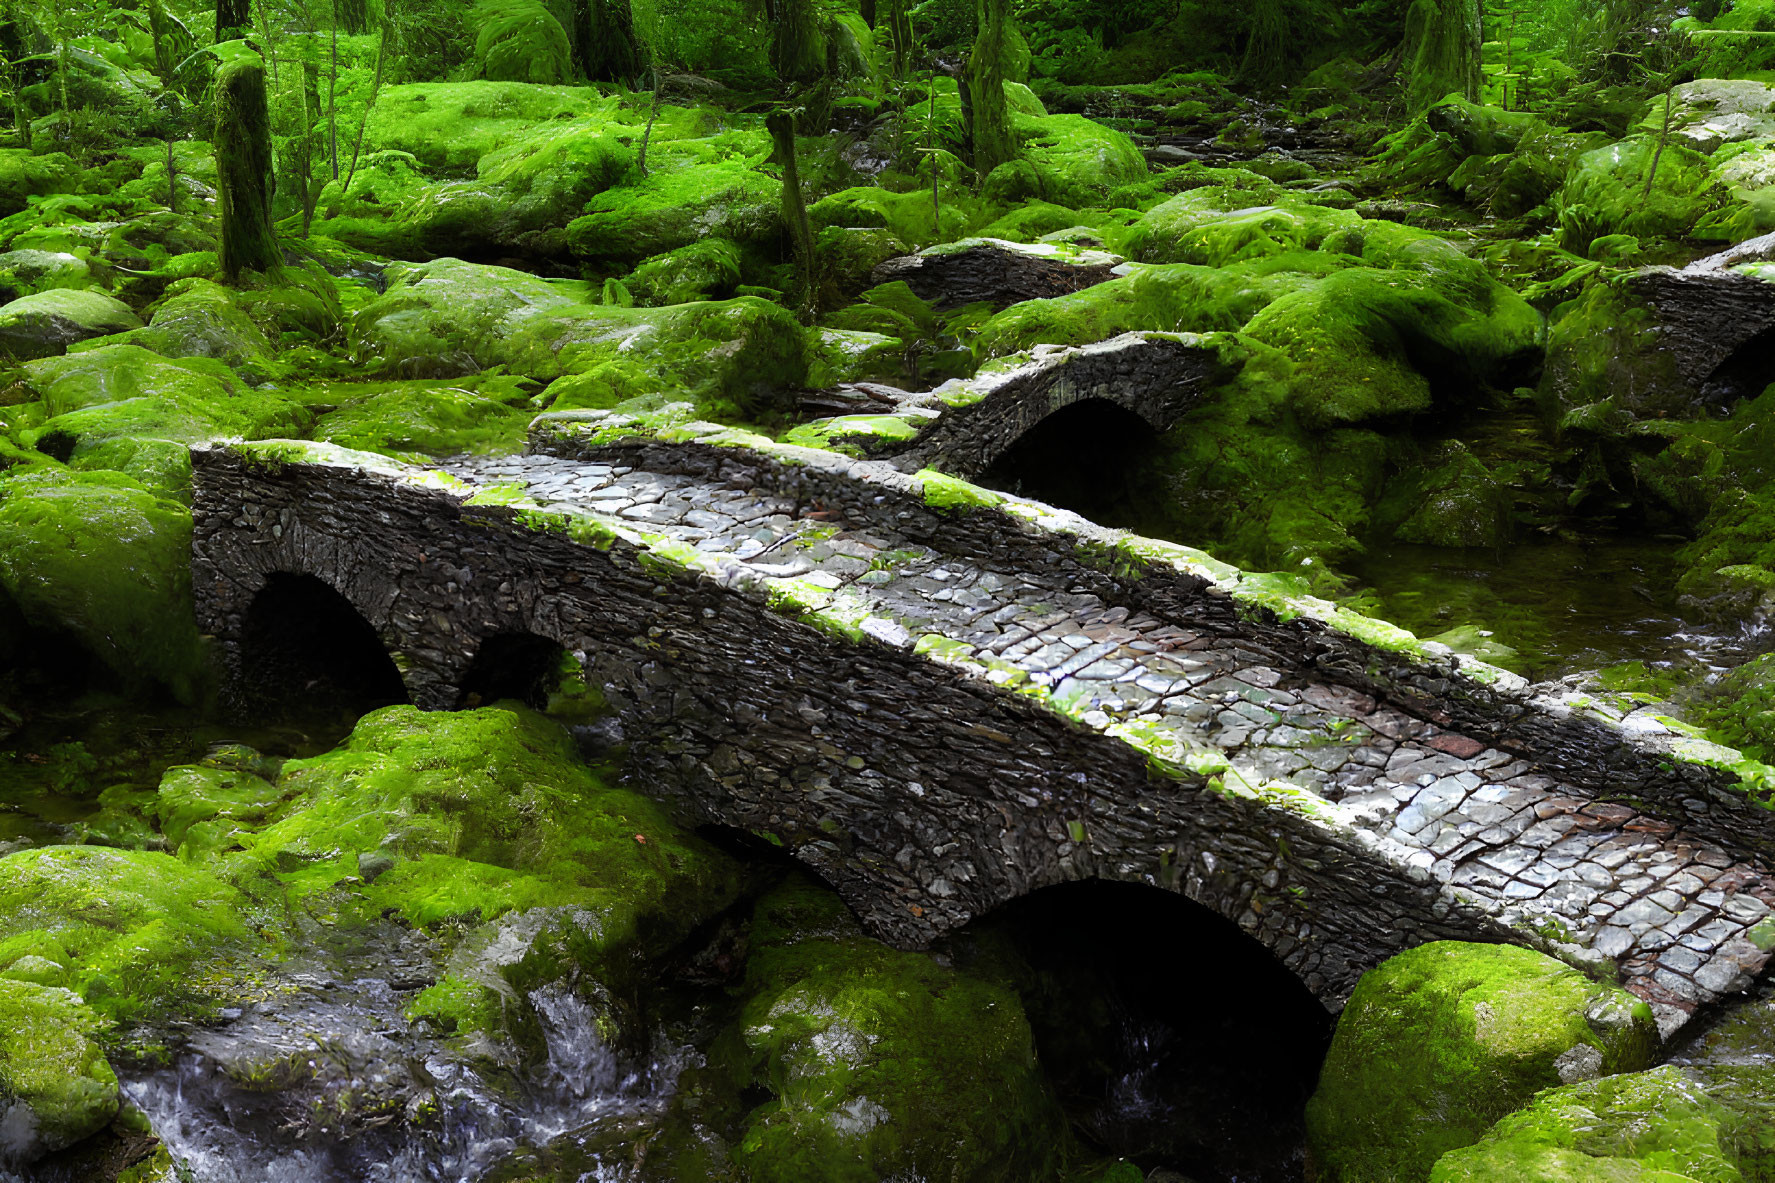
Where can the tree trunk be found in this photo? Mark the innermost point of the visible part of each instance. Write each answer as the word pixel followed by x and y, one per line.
pixel 607 49
pixel 990 127
pixel 234 19
pixel 781 126
pixel 1442 47
pixel 163 49
pixel 798 49
pixel 867 11
pixel 243 169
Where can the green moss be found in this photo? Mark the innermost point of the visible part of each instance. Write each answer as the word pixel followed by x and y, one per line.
pixel 1065 160
pixel 670 208
pixel 47 323
pixel 706 270
pixel 55 1085
pixel 483 813
pixel 912 217
pixel 882 1063
pixel 1439 1042
pixel 1606 193
pixel 449 126
pixel 1637 1128
pixel 449 318
pixel 200 319
pixel 99 559
pixel 244 168
pixel 520 41
pixel 947 494
pixel 139 935
pixel 413 421
pixel 728 40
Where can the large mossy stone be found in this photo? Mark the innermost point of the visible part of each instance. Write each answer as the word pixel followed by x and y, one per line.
pixel 672 208
pixel 485 822
pixel 55 1084
pixel 47 323
pixel 100 560
pixel 24 174
pixel 883 1064
pixel 448 318
pixel 1659 1126
pixel 449 126
pixel 141 936
pixel 1439 1042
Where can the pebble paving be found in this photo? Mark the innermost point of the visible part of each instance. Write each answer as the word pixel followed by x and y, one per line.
pixel 1683 920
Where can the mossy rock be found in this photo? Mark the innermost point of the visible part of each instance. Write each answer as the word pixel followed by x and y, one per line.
pixel 1439 1042
pixel 487 817
pixel 42 271
pixel 672 208
pixel 200 319
pixel 1659 1126
pixel 910 217
pixel 520 41
pixel 125 408
pixel 56 1087
pixel 416 421
pixel 448 318
pixel 448 126
pixel 100 560
pixel 1606 193
pixel 706 270
pixel 47 323
pixel 522 199
pixel 141 936
pixel 880 1063
pixel 1066 160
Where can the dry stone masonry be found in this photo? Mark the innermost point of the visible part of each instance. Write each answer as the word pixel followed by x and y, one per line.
pixel 943 699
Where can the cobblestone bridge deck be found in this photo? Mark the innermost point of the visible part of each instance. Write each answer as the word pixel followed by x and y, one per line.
pixel 942 699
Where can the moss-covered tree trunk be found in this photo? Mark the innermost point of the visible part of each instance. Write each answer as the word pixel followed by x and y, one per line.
pixel 243 169
pixel 989 125
pixel 234 19
pixel 1442 47
pixel 781 125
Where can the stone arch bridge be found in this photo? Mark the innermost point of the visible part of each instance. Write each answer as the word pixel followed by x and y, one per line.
pixel 942 699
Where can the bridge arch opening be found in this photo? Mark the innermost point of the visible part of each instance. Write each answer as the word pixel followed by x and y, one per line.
pixel 521 666
pixel 1173 1038
pixel 306 645
pixel 1094 457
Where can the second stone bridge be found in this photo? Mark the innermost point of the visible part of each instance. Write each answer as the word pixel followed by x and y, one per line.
pixel 943 699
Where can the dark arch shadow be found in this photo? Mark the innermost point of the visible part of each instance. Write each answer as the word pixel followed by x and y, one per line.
pixel 1093 457
pixel 521 666
pixel 1172 1037
pixel 1745 373
pixel 305 647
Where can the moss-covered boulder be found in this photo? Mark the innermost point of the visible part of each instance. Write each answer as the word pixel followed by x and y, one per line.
pixel 524 195
pixel 486 818
pixel 1066 160
pixel 418 420
pixel 98 559
pixel 446 318
pixel 720 195
pixel 55 1085
pixel 41 271
pixel 446 127
pixel 882 1064
pixel 1648 1127
pixel 1439 1042
pixel 141 936
pixel 1607 193
pixel 125 408
pixel 199 318
pixel 706 270
pixel 47 323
